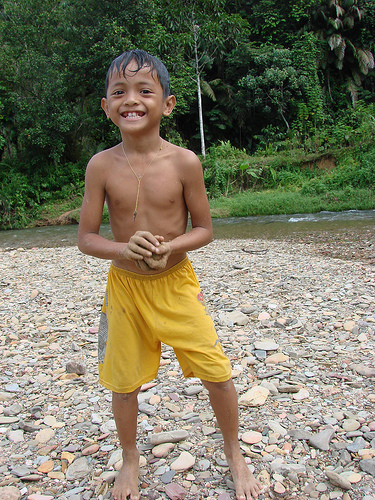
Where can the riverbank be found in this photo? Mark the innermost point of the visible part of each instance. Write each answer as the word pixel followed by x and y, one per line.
pixel 298 327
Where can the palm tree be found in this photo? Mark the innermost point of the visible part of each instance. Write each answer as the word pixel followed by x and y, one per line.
pixel 336 22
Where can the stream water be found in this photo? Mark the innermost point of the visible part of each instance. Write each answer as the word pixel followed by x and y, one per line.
pixel 269 227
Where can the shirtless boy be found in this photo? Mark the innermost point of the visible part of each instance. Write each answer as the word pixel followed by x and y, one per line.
pixel 152 293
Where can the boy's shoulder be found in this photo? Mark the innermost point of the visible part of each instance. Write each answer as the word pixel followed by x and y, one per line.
pixel 102 157
pixel 183 154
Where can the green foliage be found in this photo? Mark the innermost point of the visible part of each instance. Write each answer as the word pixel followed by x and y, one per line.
pixel 223 169
pixel 274 202
pixel 278 80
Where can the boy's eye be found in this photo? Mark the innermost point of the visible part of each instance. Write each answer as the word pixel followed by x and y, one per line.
pixel 118 92
pixel 145 91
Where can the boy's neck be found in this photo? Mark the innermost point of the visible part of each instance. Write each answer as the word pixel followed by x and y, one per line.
pixel 142 144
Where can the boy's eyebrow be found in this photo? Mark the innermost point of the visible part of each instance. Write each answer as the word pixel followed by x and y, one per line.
pixel 121 83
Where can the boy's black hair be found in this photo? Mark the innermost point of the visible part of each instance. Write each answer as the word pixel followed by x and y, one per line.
pixel 143 59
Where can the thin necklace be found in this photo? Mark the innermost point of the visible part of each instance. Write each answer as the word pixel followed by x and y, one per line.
pixel 139 177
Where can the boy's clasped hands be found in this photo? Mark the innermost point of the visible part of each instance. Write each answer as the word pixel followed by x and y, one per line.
pixel 148 251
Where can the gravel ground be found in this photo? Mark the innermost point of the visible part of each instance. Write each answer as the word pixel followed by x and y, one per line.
pixel 297 319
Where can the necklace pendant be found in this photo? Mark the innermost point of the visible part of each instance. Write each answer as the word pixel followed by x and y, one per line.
pixel 134 216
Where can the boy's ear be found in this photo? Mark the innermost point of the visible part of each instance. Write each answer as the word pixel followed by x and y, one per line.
pixel 105 106
pixel 169 105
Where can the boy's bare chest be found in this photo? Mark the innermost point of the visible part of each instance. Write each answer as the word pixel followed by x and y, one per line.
pixel 158 188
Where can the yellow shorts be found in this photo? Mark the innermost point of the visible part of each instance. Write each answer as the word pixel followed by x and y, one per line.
pixel 142 311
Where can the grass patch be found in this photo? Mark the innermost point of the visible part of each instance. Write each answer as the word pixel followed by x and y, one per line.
pixel 278 202
pixel 55 209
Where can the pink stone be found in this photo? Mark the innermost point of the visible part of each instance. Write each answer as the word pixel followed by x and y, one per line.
pixel 372 426
pixel 263 316
pixel 251 437
pixel 93 329
pixel 36 496
pixel 90 450
pixel 279 488
pixel 146 387
pixel 175 492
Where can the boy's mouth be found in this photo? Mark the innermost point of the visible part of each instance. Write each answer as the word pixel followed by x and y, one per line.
pixel 133 114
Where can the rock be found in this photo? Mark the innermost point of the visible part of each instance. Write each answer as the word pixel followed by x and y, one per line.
pixel 279 488
pixel 76 366
pixel 322 439
pixel 79 469
pixel 363 370
pixel 12 388
pixel 233 318
pixel 37 496
pixel 13 410
pixel 46 466
pixel 251 437
pixel 90 450
pixel 162 450
pixel 45 435
pixel 274 359
pixel 276 427
pixel 357 445
pixel 300 434
pixel 184 462
pixel 264 316
pixel 168 437
pixel 192 390
pixel 15 436
pixel 175 492
pixel 350 425
pixel 301 395
pixel 368 466
pixel 337 480
pixel 256 396
pixel 9 493
pixel 266 345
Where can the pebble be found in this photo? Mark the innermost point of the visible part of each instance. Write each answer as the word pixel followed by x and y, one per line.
pixel 184 462
pixel 301 344
pixel 322 439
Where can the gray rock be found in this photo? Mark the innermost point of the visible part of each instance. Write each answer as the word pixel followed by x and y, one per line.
pixel 322 439
pixel 363 370
pixel 299 434
pixel 168 437
pixel 76 366
pixel 357 445
pixel 168 476
pixel 266 345
pixel 368 466
pixel 192 390
pixel 79 469
pixel 20 471
pixel 13 410
pixel 147 409
pixel 338 480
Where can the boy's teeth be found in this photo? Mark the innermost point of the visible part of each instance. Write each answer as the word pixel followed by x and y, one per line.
pixel 132 115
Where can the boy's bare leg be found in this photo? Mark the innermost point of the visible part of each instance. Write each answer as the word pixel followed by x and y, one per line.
pixel 223 397
pixel 125 411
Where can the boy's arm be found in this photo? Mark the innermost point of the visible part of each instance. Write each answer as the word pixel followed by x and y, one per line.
pixel 197 204
pixel 89 241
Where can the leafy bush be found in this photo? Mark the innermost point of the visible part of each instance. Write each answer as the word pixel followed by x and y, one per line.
pixel 21 196
pixel 222 167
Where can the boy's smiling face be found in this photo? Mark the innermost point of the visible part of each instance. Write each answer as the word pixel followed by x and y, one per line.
pixel 135 101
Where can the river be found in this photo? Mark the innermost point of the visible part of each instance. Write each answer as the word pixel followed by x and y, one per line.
pixel 263 227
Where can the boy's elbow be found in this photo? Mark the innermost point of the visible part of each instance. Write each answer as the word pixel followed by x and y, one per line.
pixel 82 243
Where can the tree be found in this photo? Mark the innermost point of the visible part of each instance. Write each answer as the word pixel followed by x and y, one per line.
pixel 336 22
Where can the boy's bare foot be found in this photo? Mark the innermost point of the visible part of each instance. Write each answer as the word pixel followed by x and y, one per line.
pixel 247 487
pixel 126 484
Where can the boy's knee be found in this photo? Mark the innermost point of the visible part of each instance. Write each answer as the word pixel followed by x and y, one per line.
pixel 223 386
pixel 125 396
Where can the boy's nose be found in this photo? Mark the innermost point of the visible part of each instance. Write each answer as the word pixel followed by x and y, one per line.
pixel 130 99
